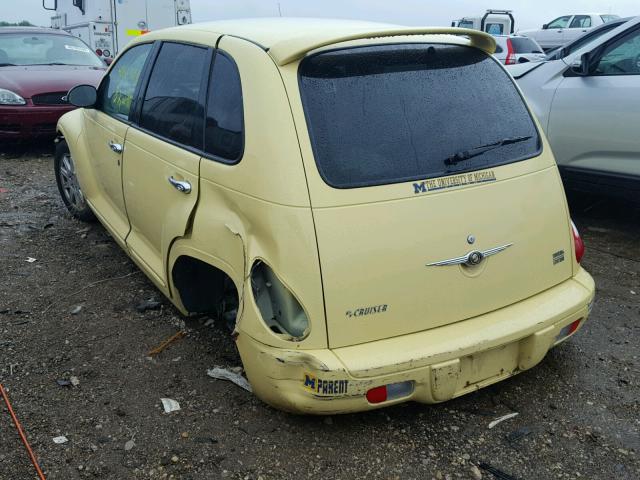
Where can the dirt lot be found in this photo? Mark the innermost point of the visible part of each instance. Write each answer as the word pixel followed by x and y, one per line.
pixel 579 411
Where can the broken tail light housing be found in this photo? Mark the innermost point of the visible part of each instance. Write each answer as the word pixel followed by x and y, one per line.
pixel 578 243
pixel 387 393
pixel 280 309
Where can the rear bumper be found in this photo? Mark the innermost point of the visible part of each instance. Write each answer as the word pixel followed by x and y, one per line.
pixel 443 363
pixel 28 121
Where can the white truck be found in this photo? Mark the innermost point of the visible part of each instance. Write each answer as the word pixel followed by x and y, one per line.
pixel 495 22
pixel 108 25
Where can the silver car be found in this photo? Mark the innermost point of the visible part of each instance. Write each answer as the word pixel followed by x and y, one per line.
pixel 589 105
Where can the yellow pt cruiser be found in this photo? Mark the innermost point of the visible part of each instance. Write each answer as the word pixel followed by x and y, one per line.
pixel 372 208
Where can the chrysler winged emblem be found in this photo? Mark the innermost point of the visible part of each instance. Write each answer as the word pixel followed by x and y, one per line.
pixel 471 259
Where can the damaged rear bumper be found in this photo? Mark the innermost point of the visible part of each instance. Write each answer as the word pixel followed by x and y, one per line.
pixel 439 364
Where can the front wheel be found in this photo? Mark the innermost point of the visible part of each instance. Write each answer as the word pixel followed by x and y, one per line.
pixel 68 185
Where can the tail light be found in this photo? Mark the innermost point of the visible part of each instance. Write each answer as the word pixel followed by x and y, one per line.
pixel 511 53
pixel 577 241
pixel 390 392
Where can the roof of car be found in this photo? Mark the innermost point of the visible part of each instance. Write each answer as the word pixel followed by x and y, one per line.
pixel 288 39
pixel 31 30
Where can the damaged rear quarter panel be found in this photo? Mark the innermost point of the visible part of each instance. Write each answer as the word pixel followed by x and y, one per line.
pixel 259 209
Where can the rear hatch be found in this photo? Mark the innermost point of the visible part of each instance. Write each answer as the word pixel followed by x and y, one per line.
pixel 426 153
pixel 527 50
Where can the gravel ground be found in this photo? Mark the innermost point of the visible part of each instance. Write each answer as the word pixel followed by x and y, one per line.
pixel 72 313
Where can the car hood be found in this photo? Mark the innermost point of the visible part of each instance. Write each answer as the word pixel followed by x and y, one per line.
pixel 31 80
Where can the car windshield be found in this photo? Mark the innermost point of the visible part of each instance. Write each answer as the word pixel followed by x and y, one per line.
pixel 45 49
pixel 395 113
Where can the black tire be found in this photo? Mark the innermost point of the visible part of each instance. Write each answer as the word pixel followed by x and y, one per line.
pixel 68 185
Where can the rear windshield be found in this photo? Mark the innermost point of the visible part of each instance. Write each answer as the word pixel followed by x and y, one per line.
pixel 394 113
pixel 525 45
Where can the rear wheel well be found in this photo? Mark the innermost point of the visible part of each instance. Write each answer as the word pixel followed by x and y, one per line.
pixel 204 288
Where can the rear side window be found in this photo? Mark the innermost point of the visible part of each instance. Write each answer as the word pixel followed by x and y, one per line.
pixel 395 113
pixel 525 45
pixel 172 106
pixel 224 136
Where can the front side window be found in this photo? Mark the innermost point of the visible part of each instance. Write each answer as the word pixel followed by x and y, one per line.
pixel 621 57
pixel 224 136
pixel 45 49
pixel 115 96
pixel 172 105
pixel 561 22
pixel 393 113
pixel 581 21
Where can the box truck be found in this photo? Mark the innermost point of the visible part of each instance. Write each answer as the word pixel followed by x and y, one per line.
pixel 108 25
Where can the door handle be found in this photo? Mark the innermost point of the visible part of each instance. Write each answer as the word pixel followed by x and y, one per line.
pixel 115 147
pixel 184 187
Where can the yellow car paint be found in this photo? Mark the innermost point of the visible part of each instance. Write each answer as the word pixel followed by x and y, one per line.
pixel 274 207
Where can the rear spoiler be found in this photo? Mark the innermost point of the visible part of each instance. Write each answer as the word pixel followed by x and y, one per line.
pixel 289 51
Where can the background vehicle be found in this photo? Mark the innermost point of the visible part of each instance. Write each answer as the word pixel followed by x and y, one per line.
pixel 588 102
pixel 512 49
pixel 584 39
pixel 108 25
pixel 494 22
pixel 38 66
pixel 345 249
pixel 567 28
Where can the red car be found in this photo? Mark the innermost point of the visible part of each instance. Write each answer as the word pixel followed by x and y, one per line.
pixel 38 66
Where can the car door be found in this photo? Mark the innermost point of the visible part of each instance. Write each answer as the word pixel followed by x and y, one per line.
pixel 162 154
pixel 553 35
pixel 105 130
pixel 594 119
pixel 580 24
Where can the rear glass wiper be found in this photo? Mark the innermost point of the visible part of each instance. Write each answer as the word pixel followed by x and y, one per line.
pixel 8 65
pixel 464 155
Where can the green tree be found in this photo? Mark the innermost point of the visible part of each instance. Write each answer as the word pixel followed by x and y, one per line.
pixel 23 23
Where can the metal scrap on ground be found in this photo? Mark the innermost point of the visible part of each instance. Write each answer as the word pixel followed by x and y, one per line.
pixel 223 374
pixel 502 419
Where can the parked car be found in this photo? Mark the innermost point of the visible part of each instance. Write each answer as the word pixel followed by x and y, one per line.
pixel 38 66
pixel 353 203
pixel 584 39
pixel 589 105
pixel 513 49
pixel 567 28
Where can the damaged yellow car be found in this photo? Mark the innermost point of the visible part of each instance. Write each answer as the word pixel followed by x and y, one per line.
pixel 372 208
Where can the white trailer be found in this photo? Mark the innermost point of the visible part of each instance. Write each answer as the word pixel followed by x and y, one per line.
pixel 108 25
pixel 495 22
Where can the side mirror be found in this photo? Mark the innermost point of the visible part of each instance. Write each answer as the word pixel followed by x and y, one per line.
pixel 545 26
pixel 83 96
pixel 582 66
